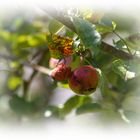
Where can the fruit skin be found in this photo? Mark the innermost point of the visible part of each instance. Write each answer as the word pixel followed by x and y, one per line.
pixel 53 62
pixel 84 80
pixel 61 72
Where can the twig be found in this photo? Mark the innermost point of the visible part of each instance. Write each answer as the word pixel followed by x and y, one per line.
pixel 7 57
pixel 26 84
pixel 117 53
pixel 40 69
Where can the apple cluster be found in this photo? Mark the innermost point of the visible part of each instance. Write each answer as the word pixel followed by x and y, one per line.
pixel 83 80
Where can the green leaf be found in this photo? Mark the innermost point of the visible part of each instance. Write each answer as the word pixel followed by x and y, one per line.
pixel 114 25
pixel 36 40
pixel 5 35
pixel 20 106
pixel 134 66
pixel 120 67
pixel 120 45
pixel 14 82
pixel 105 21
pixel 102 81
pixel 53 111
pixel 87 33
pixel 105 26
pixel 103 29
pixel 69 105
pixel 88 108
pixel 26 41
pixel 73 103
pixel 133 41
pixel 54 26
pixel 63 85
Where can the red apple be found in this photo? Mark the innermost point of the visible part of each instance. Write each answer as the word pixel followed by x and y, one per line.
pixel 61 72
pixel 84 80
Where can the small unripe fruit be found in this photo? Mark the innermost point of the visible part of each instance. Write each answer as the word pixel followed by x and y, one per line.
pixel 61 72
pixel 84 80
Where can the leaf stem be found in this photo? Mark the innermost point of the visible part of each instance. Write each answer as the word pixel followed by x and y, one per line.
pixel 122 40
pixel 87 61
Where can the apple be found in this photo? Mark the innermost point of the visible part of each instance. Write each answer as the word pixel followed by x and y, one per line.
pixel 83 80
pixel 61 72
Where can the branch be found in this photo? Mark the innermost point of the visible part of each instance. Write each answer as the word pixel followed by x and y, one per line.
pixel 39 68
pixel 4 56
pixel 117 53
pixel 61 17
pixel 26 84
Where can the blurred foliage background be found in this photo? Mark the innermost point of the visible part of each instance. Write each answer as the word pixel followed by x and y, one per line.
pixel 26 94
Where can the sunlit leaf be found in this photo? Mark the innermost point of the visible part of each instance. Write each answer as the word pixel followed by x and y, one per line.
pixel 5 35
pixel 114 25
pixel 87 33
pixel 119 67
pixel 63 85
pixel 26 41
pixel 105 26
pixel 51 111
pixel 54 26
pixel 14 82
pixel 73 103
